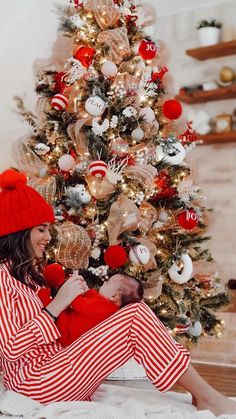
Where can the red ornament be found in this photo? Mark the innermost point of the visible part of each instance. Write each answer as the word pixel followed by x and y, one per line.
pixel 115 256
pixel 172 109
pixel 54 275
pixel 158 75
pixel 188 219
pixel 147 50
pixel 59 102
pixel 85 55
pixel 189 136
pixel 98 168
pixel 59 83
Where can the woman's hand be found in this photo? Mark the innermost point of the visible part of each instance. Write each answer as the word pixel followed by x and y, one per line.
pixel 74 286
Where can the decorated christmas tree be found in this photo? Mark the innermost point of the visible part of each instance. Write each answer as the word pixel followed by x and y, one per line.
pixel 106 150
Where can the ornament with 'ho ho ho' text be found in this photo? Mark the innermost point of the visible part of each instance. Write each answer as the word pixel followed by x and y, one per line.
pixel 188 219
pixel 147 50
pixel 95 105
pixel 59 102
pixel 172 153
pixel 181 274
pixel 66 162
pixel 139 255
pixel 98 168
pixel 109 69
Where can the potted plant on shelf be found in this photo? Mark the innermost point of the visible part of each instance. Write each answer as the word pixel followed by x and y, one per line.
pixel 209 32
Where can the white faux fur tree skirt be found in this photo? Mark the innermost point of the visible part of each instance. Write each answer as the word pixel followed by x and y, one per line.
pixel 109 402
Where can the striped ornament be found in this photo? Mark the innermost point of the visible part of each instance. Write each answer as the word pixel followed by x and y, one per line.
pixel 59 102
pixel 98 168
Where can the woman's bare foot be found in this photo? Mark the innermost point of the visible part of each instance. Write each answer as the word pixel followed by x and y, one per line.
pixel 217 404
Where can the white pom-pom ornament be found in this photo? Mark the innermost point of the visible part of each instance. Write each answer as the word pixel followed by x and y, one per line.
pixel 186 273
pixel 95 105
pixel 137 134
pixel 59 102
pixel 139 255
pixel 174 153
pixel 109 69
pixel 66 162
pixel 195 329
pixel 147 114
pixel 98 168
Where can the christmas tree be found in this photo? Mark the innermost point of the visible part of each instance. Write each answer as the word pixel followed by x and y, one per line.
pixel 106 151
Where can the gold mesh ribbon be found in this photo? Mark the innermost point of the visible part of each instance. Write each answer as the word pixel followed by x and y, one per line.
pixel 45 186
pixel 27 160
pixel 143 173
pixel 124 216
pixel 105 12
pixel 74 246
pixel 149 216
pixel 118 42
pixel 78 138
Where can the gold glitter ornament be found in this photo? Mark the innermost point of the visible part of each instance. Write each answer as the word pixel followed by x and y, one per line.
pixel 73 247
pixel 45 186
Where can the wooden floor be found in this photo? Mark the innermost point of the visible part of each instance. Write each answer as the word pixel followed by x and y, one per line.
pixel 222 378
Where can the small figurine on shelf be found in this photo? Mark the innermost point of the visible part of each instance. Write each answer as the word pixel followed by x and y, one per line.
pixel 209 32
pixel 223 123
pixel 227 76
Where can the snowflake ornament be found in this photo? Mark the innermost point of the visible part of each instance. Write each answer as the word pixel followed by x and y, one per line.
pixel 76 21
pixel 129 111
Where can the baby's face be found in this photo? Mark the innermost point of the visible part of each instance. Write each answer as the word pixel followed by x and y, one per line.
pixel 111 287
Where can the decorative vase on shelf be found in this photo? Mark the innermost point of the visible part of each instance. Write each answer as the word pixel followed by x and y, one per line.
pixel 209 32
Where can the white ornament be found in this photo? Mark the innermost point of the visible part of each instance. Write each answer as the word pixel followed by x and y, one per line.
pixel 139 255
pixel 173 154
pixel 114 121
pixel 195 329
pixel 41 149
pixel 186 274
pixel 129 111
pixel 99 129
pixel 95 253
pixel 83 195
pixel 76 21
pixel 109 69
pixel 66 162
pixel 137 134
pixel 163 216
pixel 95 105
pixel 75 71
pixel 147 114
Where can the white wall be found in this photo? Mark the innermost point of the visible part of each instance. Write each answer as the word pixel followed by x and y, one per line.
pixel 28 29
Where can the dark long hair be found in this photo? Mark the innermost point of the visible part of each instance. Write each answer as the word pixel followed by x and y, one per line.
pixel 16 250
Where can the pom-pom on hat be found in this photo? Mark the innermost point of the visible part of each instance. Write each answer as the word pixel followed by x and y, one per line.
pixel 21 206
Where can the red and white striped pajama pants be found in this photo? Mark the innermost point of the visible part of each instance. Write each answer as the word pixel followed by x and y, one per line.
pixel 75 372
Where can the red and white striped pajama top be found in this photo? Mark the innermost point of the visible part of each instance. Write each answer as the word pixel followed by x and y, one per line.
pixel 35 364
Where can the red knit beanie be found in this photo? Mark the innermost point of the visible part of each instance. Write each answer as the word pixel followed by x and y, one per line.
pixel 21 206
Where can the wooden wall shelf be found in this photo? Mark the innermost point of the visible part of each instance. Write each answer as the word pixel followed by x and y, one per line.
pixel 213 51
pixel 200 96
pixel 218 137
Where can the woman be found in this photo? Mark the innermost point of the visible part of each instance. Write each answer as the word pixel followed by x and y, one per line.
pixel 33 362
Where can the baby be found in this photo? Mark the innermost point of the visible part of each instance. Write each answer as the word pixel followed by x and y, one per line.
pixel 92 307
